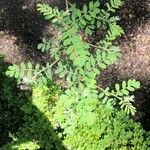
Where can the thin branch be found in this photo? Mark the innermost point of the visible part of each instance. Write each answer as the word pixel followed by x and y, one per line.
pixel 97 46
pixel 46 68
pixel 67 7
pixel 108 93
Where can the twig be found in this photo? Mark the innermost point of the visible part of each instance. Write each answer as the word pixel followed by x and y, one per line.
pixel 97 46
pixel 67 7
pixel 46 68
pixel 108 93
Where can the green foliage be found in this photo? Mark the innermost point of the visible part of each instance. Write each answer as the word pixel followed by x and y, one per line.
pixel 19 71
pixel 79 65
pixel 84 115
pixel 21 145
pixel 11 98
pixel 113 5
pixel 51 45
pixel 45 45
pixel 51 13
pixel 31 74
pixel 106 132
pixel 80 123
pixel 121 93
pixel 126 87
pixel 36 132
pixel 114 31
pixel 82 66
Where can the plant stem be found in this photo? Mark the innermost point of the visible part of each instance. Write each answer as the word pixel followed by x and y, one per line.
pixel 66 2
pixel 97 46
pixel 46 68
pixel 108 93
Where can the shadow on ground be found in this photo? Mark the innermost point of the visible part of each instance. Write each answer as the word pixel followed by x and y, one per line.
pixel 134 13
pixel 32 124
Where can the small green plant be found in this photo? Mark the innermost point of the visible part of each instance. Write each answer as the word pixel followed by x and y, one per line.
pixel 77 60
pixel 84 115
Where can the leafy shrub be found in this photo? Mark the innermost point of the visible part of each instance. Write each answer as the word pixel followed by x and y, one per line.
pixel 84 115
pixel 37 132
pixel 92 126
pixel 109 130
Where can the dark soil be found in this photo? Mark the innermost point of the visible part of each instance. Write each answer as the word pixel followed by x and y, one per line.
pixel 21 29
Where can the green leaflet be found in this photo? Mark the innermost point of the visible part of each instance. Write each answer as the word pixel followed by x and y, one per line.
pixel 22 70
pixel 31 74
pixel 121 94
pixel 54 15
pixel 113 5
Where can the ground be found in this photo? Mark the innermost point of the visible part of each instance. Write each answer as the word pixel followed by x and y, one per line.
pixel 22 28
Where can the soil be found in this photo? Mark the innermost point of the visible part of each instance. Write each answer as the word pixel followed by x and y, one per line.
pixel 22 28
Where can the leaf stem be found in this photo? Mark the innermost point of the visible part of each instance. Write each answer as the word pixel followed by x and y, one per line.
pixel 46 68
pixel 108 93
pixel 66 2
pixel 97 46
